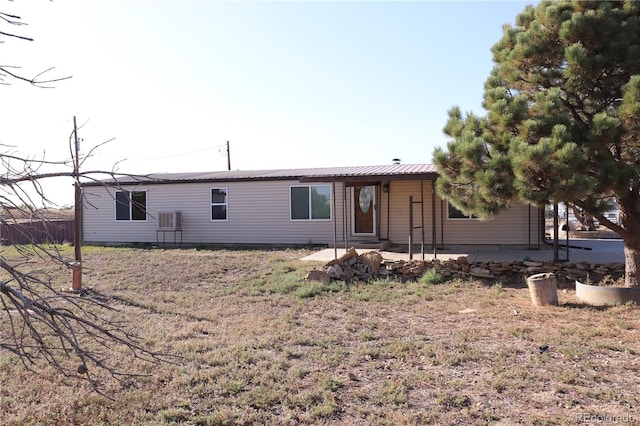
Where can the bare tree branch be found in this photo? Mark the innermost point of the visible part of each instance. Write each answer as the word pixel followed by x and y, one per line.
pixel 16 36
pixel 7 71
pixel 73 333
pixel 11 19
pixel 34 81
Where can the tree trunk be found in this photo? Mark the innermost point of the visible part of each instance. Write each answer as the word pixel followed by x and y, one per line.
pixel 632 261
pixel 585 218
pixel 631 237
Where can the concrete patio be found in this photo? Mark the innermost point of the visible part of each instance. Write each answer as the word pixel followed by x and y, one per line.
pixel 591 251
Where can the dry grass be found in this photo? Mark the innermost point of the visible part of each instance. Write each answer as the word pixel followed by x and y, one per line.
pixel 261 346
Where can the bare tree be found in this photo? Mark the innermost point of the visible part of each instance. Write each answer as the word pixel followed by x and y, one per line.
pixel 9 23
pixel 75 333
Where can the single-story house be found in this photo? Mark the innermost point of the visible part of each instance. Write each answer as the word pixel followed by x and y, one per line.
pixel 336 207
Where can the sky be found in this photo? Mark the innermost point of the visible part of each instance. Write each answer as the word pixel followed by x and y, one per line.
pixel 288 84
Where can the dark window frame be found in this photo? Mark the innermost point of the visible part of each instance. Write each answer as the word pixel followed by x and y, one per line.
pixel 455 214
pixel 130 206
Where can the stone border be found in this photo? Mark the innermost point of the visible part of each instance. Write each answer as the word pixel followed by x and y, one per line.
pixel 370 265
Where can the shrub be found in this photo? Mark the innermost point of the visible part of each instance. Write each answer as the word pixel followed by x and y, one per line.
pixel 431 277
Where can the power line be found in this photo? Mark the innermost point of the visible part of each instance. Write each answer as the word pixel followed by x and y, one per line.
pixel 221 149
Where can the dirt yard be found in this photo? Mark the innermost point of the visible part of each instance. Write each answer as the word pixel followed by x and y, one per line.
pixel 258 345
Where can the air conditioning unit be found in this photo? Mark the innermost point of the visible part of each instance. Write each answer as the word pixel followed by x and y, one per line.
pixel 170 221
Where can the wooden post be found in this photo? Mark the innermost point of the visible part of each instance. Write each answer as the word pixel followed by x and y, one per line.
pixel 345 216
pixel 433 218
pixel 76 285
pixel 556 227
pixel 422 217
pixel 335 220
pixel 410 227
pixel 543 289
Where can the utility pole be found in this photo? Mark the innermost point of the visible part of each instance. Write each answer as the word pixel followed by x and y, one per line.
pixel 77 225
pixel 228 157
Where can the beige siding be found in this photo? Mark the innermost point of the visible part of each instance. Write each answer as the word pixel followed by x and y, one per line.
pixel 510 227
pixel 399 193
pixel 257 213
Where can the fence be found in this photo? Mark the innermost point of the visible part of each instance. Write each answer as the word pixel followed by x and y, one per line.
pixel 52 231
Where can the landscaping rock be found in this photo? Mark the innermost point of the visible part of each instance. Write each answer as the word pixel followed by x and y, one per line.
pixel 317 275
pixel 373 259
pixel 371 265
pixel 481 272
pixel 350 254
pixel 335 271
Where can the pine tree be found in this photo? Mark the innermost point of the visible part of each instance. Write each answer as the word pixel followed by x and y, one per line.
pixel 562 121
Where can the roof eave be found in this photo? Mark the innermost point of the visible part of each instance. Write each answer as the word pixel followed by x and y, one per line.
pixel 180 181
pixel 369 178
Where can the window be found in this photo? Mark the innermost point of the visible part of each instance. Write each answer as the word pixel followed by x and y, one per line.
pixel 219 203
pixel 310 202
pixel 457 214
pixel 131 205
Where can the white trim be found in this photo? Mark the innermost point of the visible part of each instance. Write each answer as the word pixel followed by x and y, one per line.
pixel 226 203
pixel 310 219
pixel 374 207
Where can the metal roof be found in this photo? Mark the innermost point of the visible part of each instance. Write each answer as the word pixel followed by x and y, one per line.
pixel 322 174
pixel 371 173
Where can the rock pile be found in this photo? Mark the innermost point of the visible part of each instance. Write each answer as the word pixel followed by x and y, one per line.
pixel 370 265
pixel 351 267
